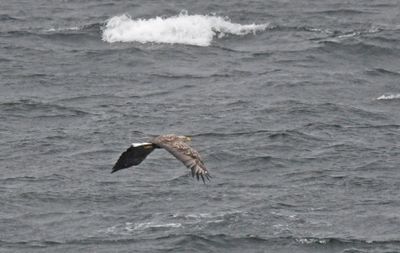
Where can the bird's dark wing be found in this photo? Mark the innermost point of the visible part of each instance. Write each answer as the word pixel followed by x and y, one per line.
pixel 187 155
pixel 133 156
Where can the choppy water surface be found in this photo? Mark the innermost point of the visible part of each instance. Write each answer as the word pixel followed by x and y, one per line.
pixel 294 106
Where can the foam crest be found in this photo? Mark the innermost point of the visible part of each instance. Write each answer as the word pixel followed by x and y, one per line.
pixel 187 29
pixel 145 225
pixel 130 227
pixel 389 97
pixel 65 29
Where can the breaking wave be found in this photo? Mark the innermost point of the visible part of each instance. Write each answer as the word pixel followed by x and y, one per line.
pixel 389 97
pixel 198 30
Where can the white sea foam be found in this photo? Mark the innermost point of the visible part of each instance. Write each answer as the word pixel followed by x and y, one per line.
pixel 389 97
pixel 64 29
pixel 196 30
pixel 312 241
pixel 206 215
pixel 145 225
pixel 130 227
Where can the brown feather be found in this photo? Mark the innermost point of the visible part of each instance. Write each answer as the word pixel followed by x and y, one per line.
pixel 184 153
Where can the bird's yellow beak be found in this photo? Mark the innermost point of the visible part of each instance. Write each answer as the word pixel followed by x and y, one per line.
pixel 188 138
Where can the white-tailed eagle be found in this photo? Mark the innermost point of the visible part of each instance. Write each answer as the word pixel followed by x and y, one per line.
pixel 176 145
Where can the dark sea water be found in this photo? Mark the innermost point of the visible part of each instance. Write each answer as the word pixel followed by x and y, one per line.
pixel 294 106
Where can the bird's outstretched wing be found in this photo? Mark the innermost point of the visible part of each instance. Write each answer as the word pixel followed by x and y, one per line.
pixel 134 155
pixel 187 155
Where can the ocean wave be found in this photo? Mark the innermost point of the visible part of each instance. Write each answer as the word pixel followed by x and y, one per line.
pixel 63 29
pixel 219 241
pixel 173 222
pixel 210 216
pixel 389 97
pixel 71 29
pixel 382 71
pixel 198 30
pixel 311 241
pixel 32 179
pixel 5 17
pixel 145 225
pixel 340 11
pixel 33 108
pixel 375 31
pixel 340 46
pixel 130 227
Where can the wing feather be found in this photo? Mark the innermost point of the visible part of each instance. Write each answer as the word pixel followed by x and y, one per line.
pixel 187 155
pixel 134 155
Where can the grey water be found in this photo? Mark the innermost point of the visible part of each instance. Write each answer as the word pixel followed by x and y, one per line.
pixel 298 124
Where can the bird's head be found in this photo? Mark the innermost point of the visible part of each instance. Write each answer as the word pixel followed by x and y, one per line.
pixel 185 138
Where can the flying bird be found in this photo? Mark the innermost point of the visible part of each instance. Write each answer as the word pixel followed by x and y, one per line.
pixel 177 145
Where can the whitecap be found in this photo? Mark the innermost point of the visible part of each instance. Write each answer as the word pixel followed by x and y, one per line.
pixel 198 30
pixel 349 35
pixel 145 225
pixel 312 241
pixel 63 29
pixel 389 97
pixel 211 215
pixel 130 227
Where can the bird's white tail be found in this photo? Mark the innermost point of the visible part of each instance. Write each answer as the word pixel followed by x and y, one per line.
pixel 141 144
